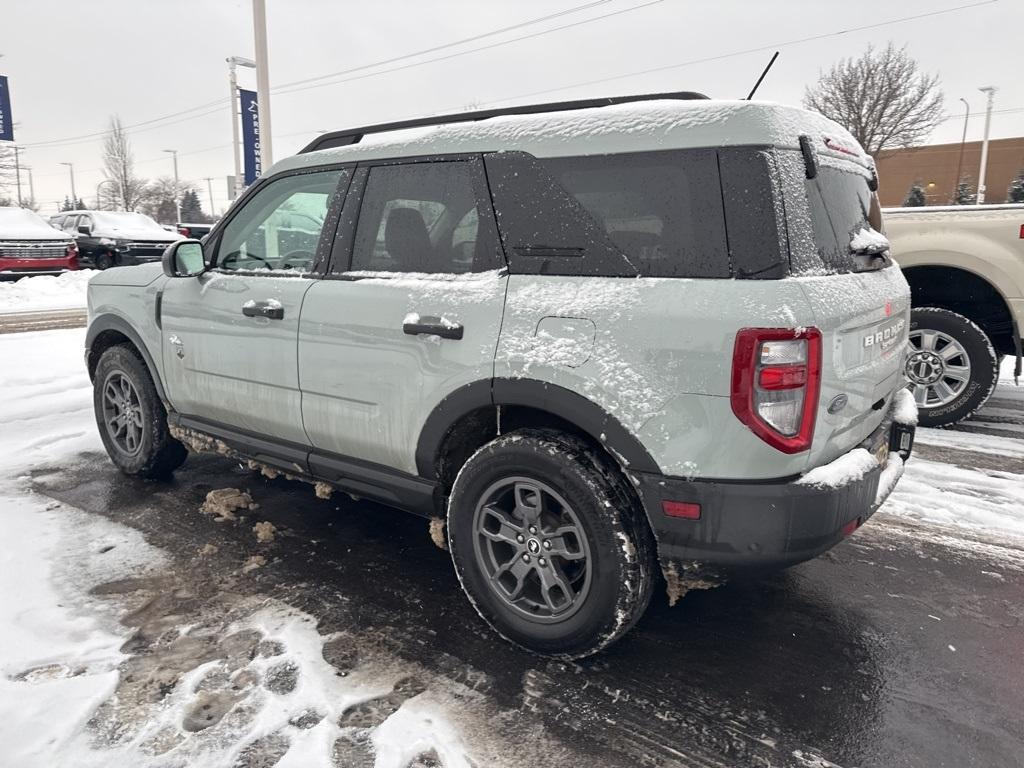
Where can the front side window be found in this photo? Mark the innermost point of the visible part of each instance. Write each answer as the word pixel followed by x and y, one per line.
pixel 70 225
pixel 279 228
pixel 421 218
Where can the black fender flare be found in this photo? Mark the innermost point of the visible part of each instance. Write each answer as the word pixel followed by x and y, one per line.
pixel 585 414
pixel 114 323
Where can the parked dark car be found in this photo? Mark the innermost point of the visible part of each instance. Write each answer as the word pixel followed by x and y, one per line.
pixel 114 238
pixel 30 246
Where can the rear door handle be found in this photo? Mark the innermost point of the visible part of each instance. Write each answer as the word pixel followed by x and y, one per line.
pixel 415 325
pixel 269 308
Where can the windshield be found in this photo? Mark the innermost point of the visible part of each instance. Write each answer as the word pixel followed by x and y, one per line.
pixel 116 221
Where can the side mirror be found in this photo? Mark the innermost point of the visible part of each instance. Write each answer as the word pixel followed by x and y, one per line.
pixel 86 230
pixel 184 259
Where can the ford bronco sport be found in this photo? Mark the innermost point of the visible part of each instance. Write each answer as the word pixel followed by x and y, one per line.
pixel 599 342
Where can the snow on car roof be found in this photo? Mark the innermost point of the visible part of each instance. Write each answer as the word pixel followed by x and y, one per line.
pixel 25 224
pixel 632 127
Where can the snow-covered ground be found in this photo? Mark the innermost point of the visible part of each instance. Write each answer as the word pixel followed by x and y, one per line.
pixel 60 646
pixel 45 292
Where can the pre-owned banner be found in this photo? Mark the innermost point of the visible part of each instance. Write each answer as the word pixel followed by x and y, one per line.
pixel 250 135
pixel 6 121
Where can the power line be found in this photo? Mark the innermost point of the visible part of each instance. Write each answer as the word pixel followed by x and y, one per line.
pixel 759 49
pixel 82 138
pixel 457 54
pixel 454 43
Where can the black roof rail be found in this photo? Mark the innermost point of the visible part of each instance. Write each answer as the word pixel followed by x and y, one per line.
pixel 355 135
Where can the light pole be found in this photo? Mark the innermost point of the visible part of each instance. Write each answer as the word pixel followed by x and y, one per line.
pixel 177 197
pixel 233 63
pixel 259 23
pixel 960 160
pixel 209 188
pixel 99 204
pixel 17 172
pixel 74 197
pixel 991 91
pixel 31 186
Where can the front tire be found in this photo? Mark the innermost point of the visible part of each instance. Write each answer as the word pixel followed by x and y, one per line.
pixel 103 260
pixel 131 419
pixel 952 366
pixel 549 543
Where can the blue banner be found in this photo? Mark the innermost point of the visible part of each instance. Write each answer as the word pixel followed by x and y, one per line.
pixel 6 121
pixel 250 135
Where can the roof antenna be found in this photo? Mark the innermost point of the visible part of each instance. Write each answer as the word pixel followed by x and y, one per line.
pixel 765 72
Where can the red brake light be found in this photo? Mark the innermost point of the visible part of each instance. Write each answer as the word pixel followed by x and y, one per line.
pixel 775 387
pixel 1022 231
pixel 184 231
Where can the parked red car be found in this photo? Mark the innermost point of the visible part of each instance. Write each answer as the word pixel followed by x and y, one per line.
pixel 30 246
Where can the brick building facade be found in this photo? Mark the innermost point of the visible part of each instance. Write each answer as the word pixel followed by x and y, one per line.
pixel 934 166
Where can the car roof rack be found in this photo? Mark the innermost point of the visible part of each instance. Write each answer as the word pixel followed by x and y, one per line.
pixel 354 135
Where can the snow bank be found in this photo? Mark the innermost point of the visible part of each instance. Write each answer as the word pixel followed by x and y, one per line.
pixel 46 410
pixel 42 292
pixel 59 648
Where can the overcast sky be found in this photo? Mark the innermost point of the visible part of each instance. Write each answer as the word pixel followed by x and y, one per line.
pixel 73 64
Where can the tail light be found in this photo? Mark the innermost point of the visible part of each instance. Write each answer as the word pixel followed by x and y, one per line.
pixel 185 231
pixel 776 378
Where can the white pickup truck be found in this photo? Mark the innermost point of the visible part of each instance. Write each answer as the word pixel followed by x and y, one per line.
pixel 965 266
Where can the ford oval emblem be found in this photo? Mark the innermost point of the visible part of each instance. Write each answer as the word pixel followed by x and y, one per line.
pixel 837 403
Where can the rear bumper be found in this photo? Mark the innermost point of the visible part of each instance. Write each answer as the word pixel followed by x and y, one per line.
pixel 772 524
pixel 21 267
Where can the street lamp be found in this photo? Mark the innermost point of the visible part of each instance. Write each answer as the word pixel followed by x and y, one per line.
pixel 960 160
pixel 177 199
pixel 233 63
pixel 209 188
pixel 991 91
pixel 74 197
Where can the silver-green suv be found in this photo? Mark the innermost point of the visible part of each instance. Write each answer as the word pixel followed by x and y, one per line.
pixel 603 342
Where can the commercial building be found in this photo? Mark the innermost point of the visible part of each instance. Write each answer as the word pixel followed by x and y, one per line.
pixel 934 166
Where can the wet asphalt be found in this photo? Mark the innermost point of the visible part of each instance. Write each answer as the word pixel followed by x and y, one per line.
pixel 890 650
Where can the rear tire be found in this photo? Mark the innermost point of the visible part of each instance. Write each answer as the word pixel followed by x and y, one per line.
pixel 952 366
pixel 131 419
pixel 549 543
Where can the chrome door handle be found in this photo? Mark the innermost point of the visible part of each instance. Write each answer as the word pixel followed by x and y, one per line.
pixel 269 308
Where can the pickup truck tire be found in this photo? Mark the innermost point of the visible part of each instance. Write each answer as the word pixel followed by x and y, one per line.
pixel 952 366
pixel 549 544
pixel 131 419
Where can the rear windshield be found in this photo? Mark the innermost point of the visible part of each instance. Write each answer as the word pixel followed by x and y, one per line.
pixel 842 214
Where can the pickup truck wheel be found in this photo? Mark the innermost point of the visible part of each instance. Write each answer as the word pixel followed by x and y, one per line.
pixel 952 366
pixel 548 543
pixel 131 419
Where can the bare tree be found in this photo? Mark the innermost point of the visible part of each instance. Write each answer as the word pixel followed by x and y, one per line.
pixel 119 166
pixel 7 172
pixel 882 98
pixel 158 200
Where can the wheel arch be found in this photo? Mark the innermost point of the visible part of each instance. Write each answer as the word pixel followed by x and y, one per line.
pixel 108 331
pixel 475 413
pixel 967 293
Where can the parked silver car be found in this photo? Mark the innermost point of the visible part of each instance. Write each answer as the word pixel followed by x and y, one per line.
pixel 601 342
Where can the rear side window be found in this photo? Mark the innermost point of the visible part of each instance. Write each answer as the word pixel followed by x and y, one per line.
pixel 422 217
pixel 835 207
pixel 649 213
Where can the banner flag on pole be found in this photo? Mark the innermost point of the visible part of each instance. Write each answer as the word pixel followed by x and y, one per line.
pixel 6 121
pixel 250 135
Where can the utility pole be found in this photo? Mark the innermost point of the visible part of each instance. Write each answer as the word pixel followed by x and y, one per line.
pixel 259 23
pixel 74 197
pixel 960 160
pixel 31 186
pixel 233 63
pixel 17 172
pixel 177 197
pixel 209 188
pixel 991 91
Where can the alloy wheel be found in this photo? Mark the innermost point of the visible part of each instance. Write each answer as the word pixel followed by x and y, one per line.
pixel 122 413
pixel 938 368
